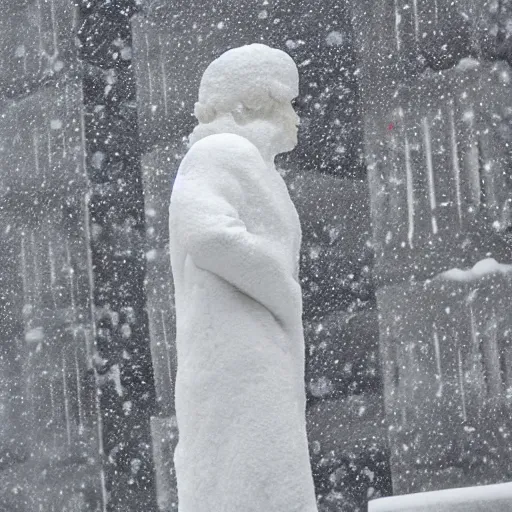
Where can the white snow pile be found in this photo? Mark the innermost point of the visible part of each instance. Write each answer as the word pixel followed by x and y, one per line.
pixel 468 64
pixel 485 498
pixel 34 335
pixel 483 268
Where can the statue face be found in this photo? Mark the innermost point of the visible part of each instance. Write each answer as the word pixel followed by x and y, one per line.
pixel 287 124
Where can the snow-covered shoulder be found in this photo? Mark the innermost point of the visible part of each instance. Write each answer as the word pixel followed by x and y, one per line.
pixel 483 268
pixel 224 149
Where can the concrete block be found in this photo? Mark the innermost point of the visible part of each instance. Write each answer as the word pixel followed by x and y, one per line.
pixel 48 435
pixel 436 137
pixel 446 358
pixel 42 148
pixel 37 43
pixel 437 157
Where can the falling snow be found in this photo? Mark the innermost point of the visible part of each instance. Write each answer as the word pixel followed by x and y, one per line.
pixel 402 181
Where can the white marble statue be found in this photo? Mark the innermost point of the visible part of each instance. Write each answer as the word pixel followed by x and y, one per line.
pixel 235 239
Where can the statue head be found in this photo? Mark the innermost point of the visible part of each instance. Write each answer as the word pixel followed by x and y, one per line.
pixel 252 86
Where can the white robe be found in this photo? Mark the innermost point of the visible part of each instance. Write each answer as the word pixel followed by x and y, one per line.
pixel 240 402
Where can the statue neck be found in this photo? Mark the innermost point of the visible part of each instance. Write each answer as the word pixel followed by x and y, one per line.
pixel 260 132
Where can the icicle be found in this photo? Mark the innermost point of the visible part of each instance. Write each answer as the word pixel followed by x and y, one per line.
pixel 88 349
pixel 25 62
pixel 475 351
pixel 473 161
pixel 410 192
pixel 455 162
pixel 461 385
pixel 76 13
pixel 104 495
pixel 437 349
pixel 24 271
pixel 487 182
pixel 164 75
pixel 66 400
pixel 83 140
pixel 71 282
pixel 64 144
pixel 492 358
pixel 54 28
pixel 430 173
pixel 52 404
pixel 416 20
pixel 90 274
pixel 49 136
pixel 35 139
pixel 167 347
pixel 40 30
pixel 170 296
pixel 29 387
pixel 51 257
pixel 150 79
pixel 97 405
pixel 63 128
pixel 474 334
pixel 78 393
pixel 66 100
pixel 403 414
pixel 36 275
pixel 398 20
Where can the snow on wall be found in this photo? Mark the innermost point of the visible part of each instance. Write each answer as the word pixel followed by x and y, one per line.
pixel 485 498
pixel 447 369
pixel 481 269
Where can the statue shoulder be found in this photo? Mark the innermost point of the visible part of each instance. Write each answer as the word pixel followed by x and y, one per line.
pixel 226 150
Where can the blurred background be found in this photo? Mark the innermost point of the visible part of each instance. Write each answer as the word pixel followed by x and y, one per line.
pixel 403 171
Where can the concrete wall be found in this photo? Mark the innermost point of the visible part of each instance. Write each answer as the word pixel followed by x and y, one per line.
pixel 435 101
pixel 49 441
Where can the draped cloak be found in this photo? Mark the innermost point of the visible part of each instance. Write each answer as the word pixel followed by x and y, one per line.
pixel 240 402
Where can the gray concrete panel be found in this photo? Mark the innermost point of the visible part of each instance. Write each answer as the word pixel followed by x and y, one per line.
pixel 37 44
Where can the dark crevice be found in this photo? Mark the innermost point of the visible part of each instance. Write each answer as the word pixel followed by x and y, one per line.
pixel 116 211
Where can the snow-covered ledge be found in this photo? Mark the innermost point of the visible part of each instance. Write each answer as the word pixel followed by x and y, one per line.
pixel 481 269
pixel 485 498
